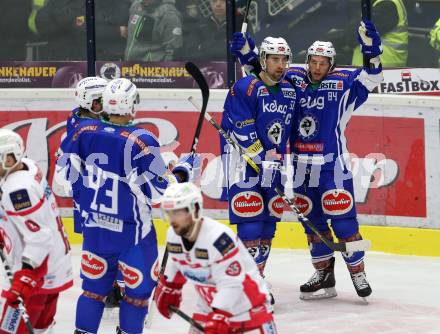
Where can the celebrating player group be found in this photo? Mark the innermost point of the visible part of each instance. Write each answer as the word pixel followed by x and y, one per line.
pixel 115 173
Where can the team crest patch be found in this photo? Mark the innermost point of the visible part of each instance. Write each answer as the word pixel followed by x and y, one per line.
pixel 234 269
pixel 32 226
pixel 308 127
pixel 20 199
pixel 224 244
pixel 174 248
pixel 201 253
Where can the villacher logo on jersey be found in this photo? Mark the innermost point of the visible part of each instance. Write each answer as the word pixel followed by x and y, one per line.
pixel 337 202
pixel 303 203
pixel 93 266
pixel 248 204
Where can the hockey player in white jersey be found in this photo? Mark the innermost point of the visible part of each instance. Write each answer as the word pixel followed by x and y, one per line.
pixel 42 251
pixel 233 297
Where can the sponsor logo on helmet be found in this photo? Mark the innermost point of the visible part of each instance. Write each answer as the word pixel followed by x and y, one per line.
pixel 234 269
pixel 303 203
pixel 92 265
pixel 276 206
pixel 247 204
pixel 281 48
pixel 132 276
pixel 337 201
pixel 319 49
pixel 112 102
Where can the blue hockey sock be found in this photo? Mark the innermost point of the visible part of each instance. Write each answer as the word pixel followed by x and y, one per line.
pixel 89 313
pixel 132 313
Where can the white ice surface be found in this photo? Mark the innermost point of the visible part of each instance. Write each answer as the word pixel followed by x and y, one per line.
pixel 405 299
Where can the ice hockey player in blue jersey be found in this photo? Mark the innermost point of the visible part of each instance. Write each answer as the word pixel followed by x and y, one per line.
pixel 120 173
pixel 323 182
pixel 88 96
pixel 258 114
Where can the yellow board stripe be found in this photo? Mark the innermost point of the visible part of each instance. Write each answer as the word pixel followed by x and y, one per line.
pixel 396 240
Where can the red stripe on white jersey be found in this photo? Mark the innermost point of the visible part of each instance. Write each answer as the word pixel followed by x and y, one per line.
pixel 28 211
pixel 231 254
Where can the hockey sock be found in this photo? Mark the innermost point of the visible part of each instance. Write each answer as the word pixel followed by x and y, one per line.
pixel 266 244
pixel 265 247
pixel 132 312
pixel 320 252
pixel 89 312
pixel 354 261
pixel 253 247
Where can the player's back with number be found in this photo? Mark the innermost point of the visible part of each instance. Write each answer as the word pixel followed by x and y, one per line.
pixel 121 173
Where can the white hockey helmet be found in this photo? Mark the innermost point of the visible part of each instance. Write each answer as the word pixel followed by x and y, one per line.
pixel 325 49
pixel 274 46
pixel 89 89
pixel 119 97
pixel 10 143
pixel 184 195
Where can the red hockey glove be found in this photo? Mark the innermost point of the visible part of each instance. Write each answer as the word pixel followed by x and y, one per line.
pixel 24 284
pixel 167 294
pixel 218 322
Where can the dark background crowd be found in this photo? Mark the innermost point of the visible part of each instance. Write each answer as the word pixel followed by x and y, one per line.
pixel 168 30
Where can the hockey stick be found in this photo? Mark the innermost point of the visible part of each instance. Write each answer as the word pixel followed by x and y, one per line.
pixel 351 246
pixel 194 71
pixel 244 26
pixel 21 307
pixel 187 318
pixel 245 17
pixel 366 14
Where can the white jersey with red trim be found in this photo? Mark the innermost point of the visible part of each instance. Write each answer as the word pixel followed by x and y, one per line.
pixel 32 212
pixel 221 269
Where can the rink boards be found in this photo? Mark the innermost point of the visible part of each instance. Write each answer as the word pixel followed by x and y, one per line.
pixel 394 141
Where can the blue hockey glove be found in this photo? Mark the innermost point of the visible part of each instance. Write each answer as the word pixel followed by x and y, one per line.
pixel 369 39
pixel 243 47
pixel 187 168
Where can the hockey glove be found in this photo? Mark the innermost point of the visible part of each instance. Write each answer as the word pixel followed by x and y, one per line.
pixel 24 284
pixel 369 39
pixel 243 47
pixel 167 294
pixel 187 168
pixel 434 35
pixel 217 322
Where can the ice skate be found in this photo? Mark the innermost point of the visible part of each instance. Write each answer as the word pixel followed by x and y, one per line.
pixel 361 284
pixel 321 285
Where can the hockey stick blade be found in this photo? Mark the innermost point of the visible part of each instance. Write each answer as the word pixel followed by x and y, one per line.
pixel 351 246
pixel 187 318
pixel 194 71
